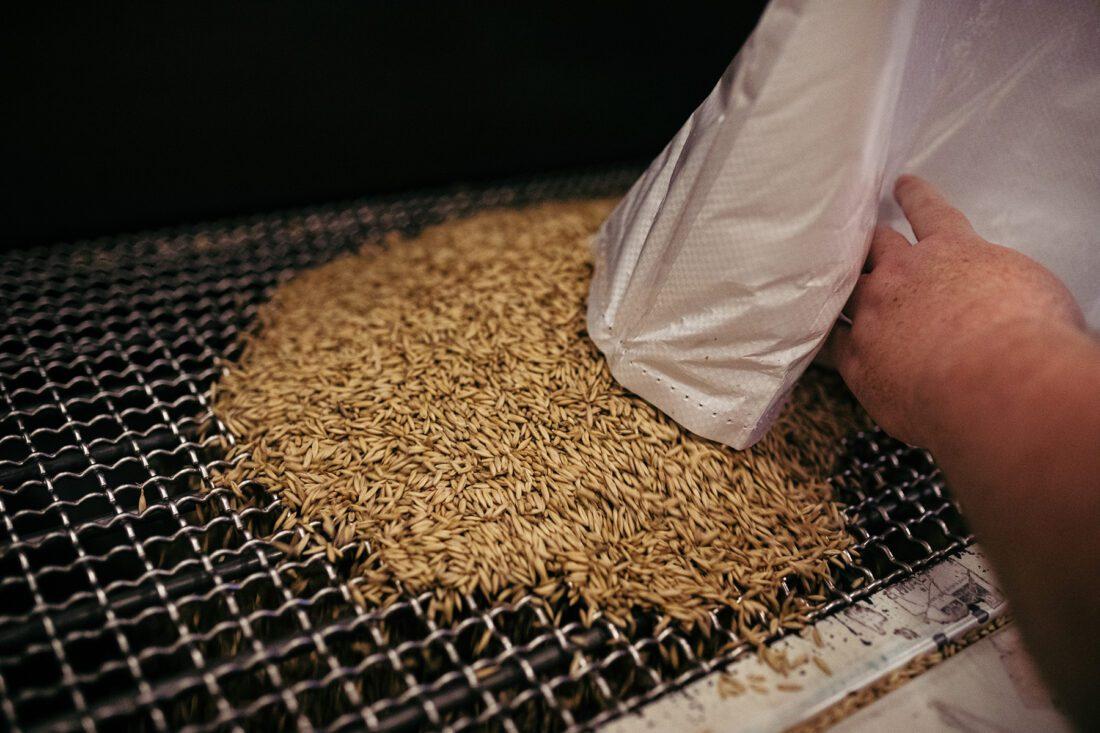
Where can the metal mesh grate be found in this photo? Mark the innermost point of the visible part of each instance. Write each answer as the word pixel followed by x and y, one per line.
pixel 131 597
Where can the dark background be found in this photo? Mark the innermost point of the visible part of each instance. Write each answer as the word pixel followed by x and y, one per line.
pixel 123 116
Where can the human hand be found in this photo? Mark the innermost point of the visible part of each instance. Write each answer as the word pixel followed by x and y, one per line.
pixel 919 311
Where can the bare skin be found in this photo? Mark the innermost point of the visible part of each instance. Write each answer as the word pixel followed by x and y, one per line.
pixel 981 355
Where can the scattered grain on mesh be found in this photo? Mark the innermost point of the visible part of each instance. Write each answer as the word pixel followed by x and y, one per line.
pixel 486 637
pixel 483 672
pixel 438 399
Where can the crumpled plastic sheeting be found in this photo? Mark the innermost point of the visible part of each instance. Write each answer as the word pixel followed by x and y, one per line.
pixel 720 274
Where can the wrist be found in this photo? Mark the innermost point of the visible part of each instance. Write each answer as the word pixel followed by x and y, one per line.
pixel 983 377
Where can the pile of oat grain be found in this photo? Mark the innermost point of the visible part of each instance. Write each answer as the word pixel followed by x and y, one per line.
pixel 439 399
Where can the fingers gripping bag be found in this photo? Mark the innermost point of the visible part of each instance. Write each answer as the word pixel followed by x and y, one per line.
pixel 720 274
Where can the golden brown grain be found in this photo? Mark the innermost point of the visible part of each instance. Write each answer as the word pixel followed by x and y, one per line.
pixel 438 398
pixel 729 686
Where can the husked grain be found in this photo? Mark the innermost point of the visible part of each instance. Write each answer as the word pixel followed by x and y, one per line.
pixel 438 399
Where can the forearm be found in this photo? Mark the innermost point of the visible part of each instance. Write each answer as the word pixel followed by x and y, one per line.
pixel 1017 432
pixel 979 353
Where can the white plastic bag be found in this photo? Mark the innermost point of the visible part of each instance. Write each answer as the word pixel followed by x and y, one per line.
pixel 720 274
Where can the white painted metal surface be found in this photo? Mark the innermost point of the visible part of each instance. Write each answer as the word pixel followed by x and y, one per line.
pixel 990 687
pixel 860 644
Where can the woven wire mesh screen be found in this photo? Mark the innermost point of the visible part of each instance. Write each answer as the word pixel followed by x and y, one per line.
pixel 136 592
